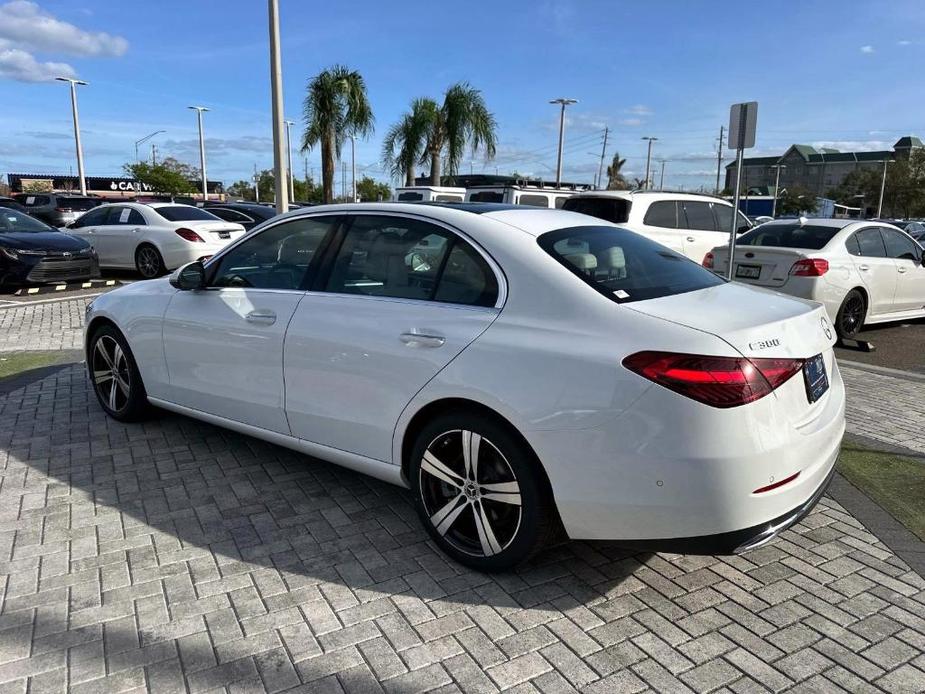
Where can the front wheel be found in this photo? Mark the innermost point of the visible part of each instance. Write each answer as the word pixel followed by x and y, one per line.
pixel 115 377
pixel 478 492
pixel 851 314
pixel 148 262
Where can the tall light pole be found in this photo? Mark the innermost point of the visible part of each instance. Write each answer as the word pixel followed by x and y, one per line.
pixel 145 139
pixel 276 89
pixel 776 188
pixel 882 188
pixel 661 179
pixel 289 125
pixel 202 151
pixel 353 166
pixel 648 159
pixel 563 102
pixel 80 152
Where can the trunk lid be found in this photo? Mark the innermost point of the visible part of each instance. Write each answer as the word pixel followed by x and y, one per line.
pixel 758 323
pixel 765 266
pixel 216 231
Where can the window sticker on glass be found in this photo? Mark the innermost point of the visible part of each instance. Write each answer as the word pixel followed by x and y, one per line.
pixel 30 200
pixel 123 215
pixel 621 294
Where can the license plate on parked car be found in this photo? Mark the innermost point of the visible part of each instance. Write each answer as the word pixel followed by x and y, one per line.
pixel 224 234
pixel 749 272
pixel 817 381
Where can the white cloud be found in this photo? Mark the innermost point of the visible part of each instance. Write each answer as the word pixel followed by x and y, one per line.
pixel 639 110
pixel 26 26
pixel 854 145
pixel 867 49
pixel 632 122
pixel 21 66
pixel 904 42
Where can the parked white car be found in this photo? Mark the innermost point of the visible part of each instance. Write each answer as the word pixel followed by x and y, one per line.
pixel 532 196
pixel 155 237
pixel 862 272
pixel 531 366
pixel 687 223
pixel 430 194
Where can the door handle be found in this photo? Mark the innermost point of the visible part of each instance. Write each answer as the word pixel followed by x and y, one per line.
pixel 901 270
pixel 261 317
pixel 135 230
pixel 863 268
pixel 691 239
pixel 413 339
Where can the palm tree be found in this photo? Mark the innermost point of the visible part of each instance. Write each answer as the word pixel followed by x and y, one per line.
pixel 463 119
pixel 615 179
pixel 404 143
pixel 335 108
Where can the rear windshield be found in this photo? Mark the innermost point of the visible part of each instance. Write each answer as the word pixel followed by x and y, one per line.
pixel 182 213
pixel 80 204
pixel 614 210
pixel 625 266
pixel 11 220
pixel 789 236
pixel 487 196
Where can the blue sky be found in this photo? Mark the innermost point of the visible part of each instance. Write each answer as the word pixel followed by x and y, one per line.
pixel 831 72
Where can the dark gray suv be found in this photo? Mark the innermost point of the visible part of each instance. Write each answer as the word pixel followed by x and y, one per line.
pixel 56 209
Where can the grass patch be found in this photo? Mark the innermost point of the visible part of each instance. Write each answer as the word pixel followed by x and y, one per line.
pixel 14 363
pixel 895 482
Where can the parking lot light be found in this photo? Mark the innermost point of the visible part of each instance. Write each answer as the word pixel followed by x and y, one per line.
pixel 80 154
pixel 202 151
pixel 563 102
pixel 648 160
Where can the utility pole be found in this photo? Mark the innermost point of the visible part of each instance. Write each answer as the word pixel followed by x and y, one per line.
pixel 276 88
pixel 256 185
pixel 719 157
pixel 289 125
pixel 600 168
pixel 777 188
pixel 661 180
pixel 305 166
pixel 353 167
pixel 80 152
pixel 882 189
pixel 343 180
pixel 563 102
pixel 153 154
pixel 145 139
pixel 202 151
pixel 648 160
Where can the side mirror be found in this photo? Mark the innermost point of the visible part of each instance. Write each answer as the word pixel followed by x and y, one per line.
pixel 190 276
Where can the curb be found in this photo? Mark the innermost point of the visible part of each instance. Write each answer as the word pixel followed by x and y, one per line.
pixel 67 286
pixel 883 370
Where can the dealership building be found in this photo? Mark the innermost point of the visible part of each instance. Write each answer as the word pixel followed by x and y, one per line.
pixel 112 188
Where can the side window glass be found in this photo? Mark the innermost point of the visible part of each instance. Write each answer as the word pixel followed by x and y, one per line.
pixel 389 256
pixel 744 224
pixel 663 213
pixel 560 202
pixel 136 219
pixel 871 243
pixel 533 200
pixel 699 216
pixel 467 278
pixel 278 258
pixel 89 219
pixel 899 246
pixel 852 245
pixel 723 215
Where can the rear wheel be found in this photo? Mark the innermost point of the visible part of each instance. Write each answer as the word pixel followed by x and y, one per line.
pixel 148 262
pixel 478 492
pixel 115 377
pixel 851 314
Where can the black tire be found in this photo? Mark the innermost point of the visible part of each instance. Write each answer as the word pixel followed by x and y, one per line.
pixel 506 469
pixel 115 377
pixel 851 315
pixel 148 261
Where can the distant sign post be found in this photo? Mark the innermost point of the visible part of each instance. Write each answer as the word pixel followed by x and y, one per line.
pixel 743 121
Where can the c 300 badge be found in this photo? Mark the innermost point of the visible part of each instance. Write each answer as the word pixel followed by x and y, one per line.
pixel 763 344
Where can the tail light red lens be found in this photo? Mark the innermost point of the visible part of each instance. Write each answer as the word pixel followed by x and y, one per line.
pixel 810 267
pixel 708 261
pixel 715 381
pixel 189 235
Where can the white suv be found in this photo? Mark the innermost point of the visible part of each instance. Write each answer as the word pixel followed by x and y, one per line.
pixel 690 224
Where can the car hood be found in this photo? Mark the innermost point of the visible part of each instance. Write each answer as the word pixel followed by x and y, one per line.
pixel 41 241
pixel 757 322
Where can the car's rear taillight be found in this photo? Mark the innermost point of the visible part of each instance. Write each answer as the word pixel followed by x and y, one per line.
pixel 810 267
pixel 189 235
pixel 714 381
pixel 708 261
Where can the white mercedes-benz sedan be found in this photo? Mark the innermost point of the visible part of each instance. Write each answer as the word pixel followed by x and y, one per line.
pixel 523 371
pixel 863 272
pixel 153 238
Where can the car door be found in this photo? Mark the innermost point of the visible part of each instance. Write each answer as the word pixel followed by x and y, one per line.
pixel 86 227
pixel 877 271
pixel 399 300
pixel 108 233
pixel 910 272
pixel 124 230
pixel 699 229
pixel 661 223
pixel 224 344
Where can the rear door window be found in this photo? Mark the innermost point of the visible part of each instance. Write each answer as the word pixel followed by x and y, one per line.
pixel 487 196
pixel 616 210
pixel 697 215
pixel 624 266
pixel 871 243
pixel 663 213
pixel 410 197
pixel 900 246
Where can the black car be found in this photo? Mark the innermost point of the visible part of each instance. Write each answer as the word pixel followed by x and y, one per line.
pixel 31 252
pixel 10 203
pixel 246 214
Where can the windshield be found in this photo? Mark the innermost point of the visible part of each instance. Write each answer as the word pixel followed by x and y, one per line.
pixel 795 235
pixel 616 210
pixel 184 213
pixel 625 266
pixel 11 220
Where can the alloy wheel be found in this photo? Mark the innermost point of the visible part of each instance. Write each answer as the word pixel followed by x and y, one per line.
pixel 149 263
pixel 852 315
pixel 470 493
pixel 111 375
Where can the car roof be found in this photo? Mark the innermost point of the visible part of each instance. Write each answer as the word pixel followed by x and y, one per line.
pixel 652 195
pixel 819 222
